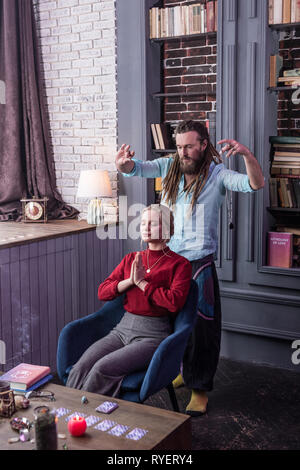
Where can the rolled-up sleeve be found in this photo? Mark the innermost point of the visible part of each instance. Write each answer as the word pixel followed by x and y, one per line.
pixel 234 181
pixel 149 169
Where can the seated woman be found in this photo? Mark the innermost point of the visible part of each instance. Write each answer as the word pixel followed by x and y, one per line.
pixel 156 282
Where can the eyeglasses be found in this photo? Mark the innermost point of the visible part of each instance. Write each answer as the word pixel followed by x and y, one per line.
pixel 42 395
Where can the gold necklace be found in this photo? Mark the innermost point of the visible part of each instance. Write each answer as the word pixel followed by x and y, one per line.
pixel 150 267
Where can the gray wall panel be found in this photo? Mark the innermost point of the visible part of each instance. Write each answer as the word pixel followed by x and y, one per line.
pixel 45 285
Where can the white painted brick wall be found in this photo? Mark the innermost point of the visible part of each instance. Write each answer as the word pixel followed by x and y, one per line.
pixel 78 45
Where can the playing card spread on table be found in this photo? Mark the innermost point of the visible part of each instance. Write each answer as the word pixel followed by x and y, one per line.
pixel 107 407
pixel 118 430
pixel 59 412
pixel 105 425
pixel 136 434
pixel 77 413
pixel 91 420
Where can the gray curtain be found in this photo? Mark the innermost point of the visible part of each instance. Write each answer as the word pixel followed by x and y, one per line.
pixel 26 158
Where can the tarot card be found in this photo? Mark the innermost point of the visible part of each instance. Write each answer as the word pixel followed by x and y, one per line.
pixel 91 420
pixel 105 425
pixel 118 430
pixel 107 407
pixel 136 434
pixel 59 412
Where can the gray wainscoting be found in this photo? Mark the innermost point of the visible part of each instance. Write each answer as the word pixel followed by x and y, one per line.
pixel 46 284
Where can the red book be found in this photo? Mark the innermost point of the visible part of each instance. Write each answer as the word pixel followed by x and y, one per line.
pixel 24 375
pixel 210 16
pixel 280 249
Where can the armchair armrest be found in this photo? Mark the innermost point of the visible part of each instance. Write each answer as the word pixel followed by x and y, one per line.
pixel 79 334
pixel 166 361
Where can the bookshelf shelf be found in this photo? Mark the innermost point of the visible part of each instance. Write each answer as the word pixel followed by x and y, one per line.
pixel 288 210
pixel 163 150
pixel 284 26
pixel 166 95
pixel 283 88
pixel 185 36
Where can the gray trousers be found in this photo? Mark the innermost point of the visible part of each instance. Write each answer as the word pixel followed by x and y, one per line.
pixel 128 348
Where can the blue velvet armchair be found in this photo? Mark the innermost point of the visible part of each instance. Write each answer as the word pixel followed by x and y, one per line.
pixel 78 335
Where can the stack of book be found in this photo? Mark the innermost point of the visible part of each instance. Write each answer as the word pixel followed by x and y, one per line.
pixel 286 156
pixel 284 11
pixel 162 136
pixel 284 183
pixel 26 377
pixel 183 19
pixel 285 192
pixel 290 78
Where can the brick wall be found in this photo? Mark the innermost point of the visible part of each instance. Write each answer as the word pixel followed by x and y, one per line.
pixel 189 66
pixel 78 47
pixel 289 120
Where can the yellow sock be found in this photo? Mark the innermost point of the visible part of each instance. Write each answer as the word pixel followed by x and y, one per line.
pixel 178 382
pixel 198 402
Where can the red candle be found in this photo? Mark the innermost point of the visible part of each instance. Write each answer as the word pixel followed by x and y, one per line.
pixel 77 426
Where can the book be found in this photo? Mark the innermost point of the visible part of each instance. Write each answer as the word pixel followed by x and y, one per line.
pixel 25 375
pixel 36 385
pixel 286 11
pixel 271 11
pixel 284 140
pixel 277 12
pixel 280 194
pixel 278 170
pixel 216 15
pixel 158 184
pixel 155 137
pixel 288 164
pixel 163 132
pixel 280 249
pixel 210 16
pixel 293 230
pixel 295 11
pixel 284 193
pixel 276 62
pixel 286 154
pixel 273 193
pixel 296 185
pixel 287 148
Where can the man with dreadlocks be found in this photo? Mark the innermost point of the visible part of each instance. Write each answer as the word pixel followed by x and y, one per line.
pixel 194 183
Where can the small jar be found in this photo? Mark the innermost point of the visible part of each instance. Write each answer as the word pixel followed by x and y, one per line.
pixel 45 428
pixel 7 401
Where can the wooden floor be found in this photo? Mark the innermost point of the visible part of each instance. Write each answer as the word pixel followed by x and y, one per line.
pixel 16 233
pixel 252 407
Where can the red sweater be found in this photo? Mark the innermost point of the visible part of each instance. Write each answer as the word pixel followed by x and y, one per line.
pixel 169 282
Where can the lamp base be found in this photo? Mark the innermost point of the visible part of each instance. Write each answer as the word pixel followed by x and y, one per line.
pixel 95 215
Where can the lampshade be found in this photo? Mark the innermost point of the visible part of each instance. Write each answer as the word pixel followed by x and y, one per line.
pixel 94 183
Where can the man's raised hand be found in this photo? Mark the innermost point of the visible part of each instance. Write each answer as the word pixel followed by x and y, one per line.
pixel 123 159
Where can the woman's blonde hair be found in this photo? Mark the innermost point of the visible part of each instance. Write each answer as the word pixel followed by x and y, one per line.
pixel 166 218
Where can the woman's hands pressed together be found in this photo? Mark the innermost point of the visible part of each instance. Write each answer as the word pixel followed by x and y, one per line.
pixel 138 272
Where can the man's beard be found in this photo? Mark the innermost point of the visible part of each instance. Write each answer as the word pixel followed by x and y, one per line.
pixel 190 169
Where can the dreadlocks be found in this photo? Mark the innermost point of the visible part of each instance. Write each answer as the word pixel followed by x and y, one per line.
pixel 172 179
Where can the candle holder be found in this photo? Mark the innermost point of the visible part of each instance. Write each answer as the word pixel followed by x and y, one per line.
pixel 7 400
pixel 45 428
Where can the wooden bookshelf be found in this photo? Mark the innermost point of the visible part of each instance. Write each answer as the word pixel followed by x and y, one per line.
pixel 283 88
pixel 284 26
pixel 186 36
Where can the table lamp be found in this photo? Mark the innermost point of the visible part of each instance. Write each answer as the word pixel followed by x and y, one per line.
pixel 94 184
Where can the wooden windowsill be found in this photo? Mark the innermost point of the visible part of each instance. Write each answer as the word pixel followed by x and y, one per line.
pixel 20 233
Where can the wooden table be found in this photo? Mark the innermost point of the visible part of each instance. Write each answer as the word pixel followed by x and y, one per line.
pixel 167 430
